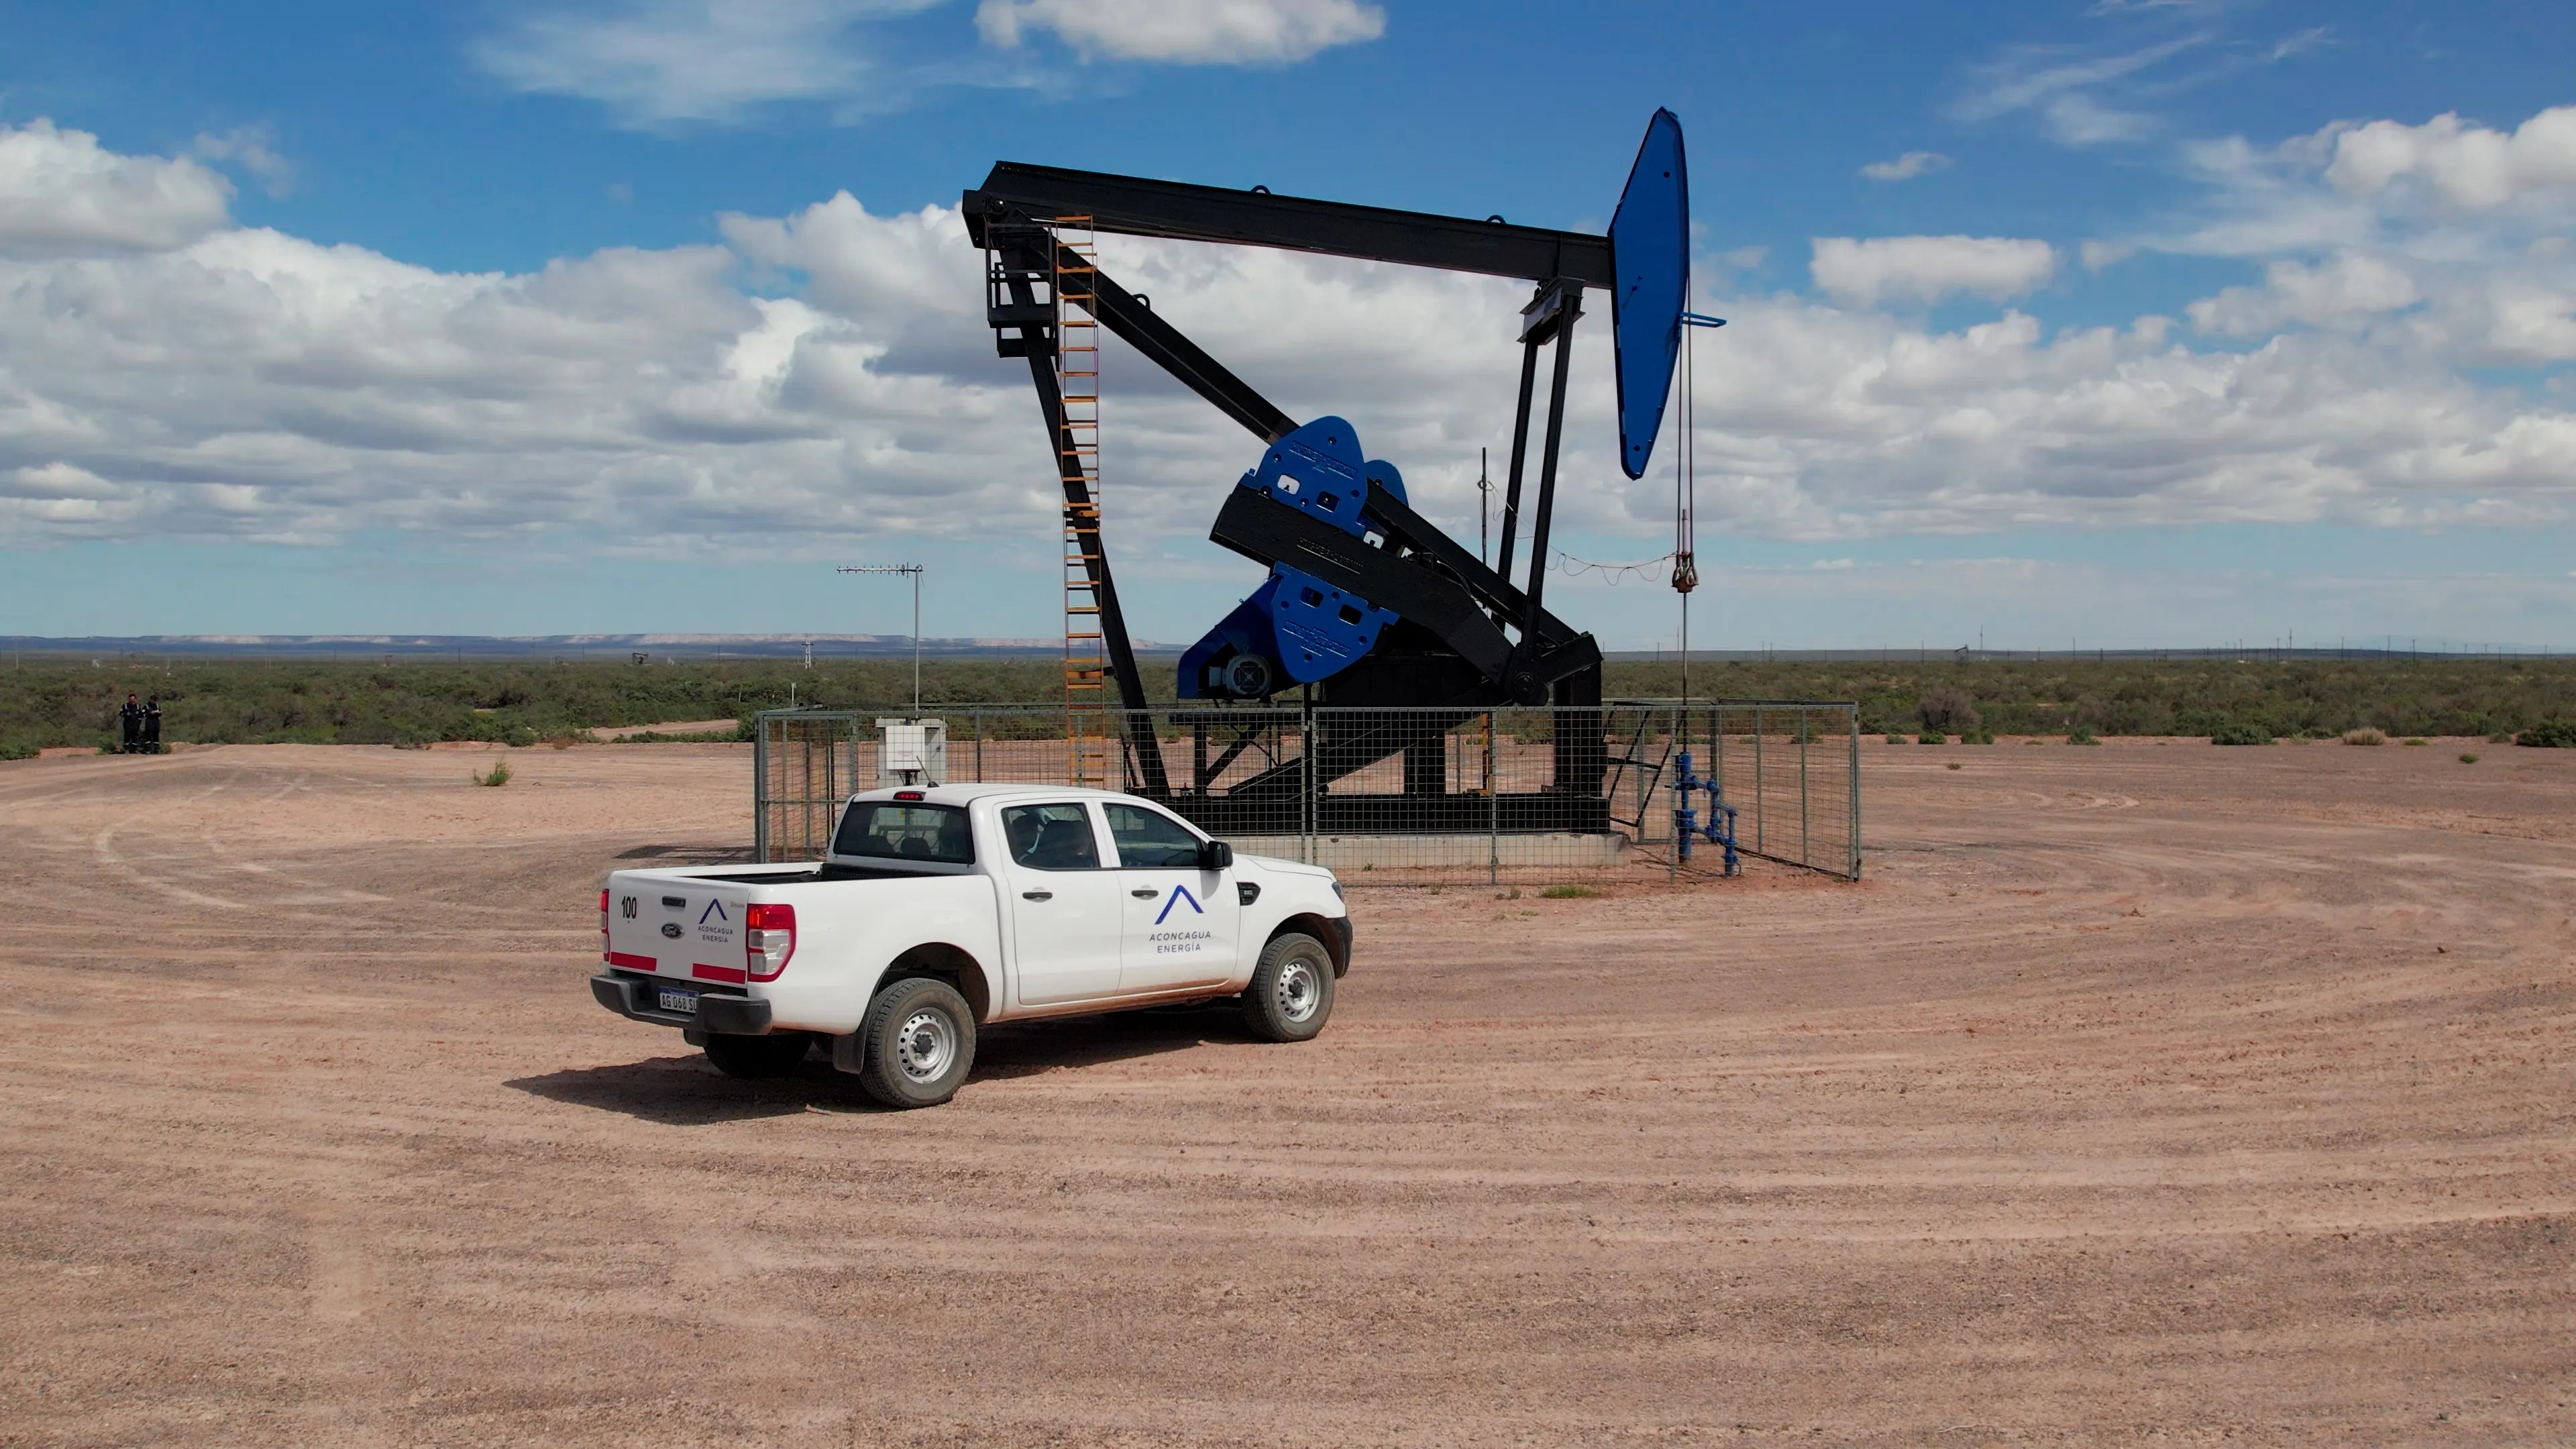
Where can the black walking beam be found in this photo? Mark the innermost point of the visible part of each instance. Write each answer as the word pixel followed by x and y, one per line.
pixel 1135 206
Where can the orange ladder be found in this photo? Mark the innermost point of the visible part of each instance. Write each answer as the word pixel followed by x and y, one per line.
pixel 1087 721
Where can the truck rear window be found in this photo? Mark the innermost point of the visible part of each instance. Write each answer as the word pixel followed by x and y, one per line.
pixel 891 830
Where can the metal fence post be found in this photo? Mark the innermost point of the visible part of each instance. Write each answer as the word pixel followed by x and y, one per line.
pixel 1306 797
pixel 760 789
pixel 1806 723
pixel 1852 718
pixel 1493 810
pixel 1758 811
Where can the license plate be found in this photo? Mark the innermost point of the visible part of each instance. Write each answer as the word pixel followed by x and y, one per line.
pixel 685 1001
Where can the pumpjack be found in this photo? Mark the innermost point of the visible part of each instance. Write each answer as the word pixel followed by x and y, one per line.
pixel 1368 604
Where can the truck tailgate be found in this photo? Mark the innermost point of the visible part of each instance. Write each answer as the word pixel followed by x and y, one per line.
pixel 676 927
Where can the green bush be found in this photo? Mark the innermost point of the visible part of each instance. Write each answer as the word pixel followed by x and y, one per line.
pixel 497 776
pixel 2081 735
pixel 1931 737
pixel 2240 733
pixel 1567 892
pixel 2550 734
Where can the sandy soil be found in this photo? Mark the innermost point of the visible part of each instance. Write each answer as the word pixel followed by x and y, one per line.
pixel 2149 1091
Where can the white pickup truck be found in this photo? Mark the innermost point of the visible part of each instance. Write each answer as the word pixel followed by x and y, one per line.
pixel 948 907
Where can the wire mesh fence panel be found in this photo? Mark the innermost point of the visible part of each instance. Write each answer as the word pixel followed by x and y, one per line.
pixel 805 763
pixel 1545 795
pixel 1791 772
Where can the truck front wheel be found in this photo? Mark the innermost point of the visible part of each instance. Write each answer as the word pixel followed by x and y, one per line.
pixel 919 1043
pixel 1291 993
pixel 758 1056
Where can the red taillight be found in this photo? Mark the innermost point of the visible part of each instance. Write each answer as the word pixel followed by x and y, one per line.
pixel 768 941
pixel 603 923
pixel 907 794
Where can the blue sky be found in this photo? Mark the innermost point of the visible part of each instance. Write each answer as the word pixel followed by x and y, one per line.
pixel 2137 322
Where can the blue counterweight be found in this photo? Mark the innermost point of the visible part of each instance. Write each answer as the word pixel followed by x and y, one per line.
pixel 1719 831
pixel 1296 628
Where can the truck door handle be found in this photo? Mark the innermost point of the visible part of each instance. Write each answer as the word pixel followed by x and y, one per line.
pixel 1037 895
pixel 1145 895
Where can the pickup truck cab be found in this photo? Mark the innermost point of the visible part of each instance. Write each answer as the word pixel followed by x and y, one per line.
pixel 946 908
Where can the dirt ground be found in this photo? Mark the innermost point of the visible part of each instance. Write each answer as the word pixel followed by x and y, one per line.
pixel 2152 1091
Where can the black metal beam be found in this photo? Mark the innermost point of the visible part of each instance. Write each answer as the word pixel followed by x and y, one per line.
pixel 1569 309
pixel 1134 206
pixel 1497 593
pixel 1270 532
pixel 1142 741
pixel 1163 344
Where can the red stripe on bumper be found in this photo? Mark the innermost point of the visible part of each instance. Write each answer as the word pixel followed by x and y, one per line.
pixel 705 972
pixel 633 962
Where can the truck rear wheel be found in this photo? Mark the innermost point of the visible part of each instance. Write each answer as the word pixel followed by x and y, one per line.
pixel 1291 994
pixel 754 1057
pixel 919 1043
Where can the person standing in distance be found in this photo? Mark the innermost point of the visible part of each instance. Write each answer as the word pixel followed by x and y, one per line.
pixel 130 721
pixel 152 725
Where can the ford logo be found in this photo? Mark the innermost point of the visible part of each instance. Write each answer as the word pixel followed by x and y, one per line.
pixel 671 929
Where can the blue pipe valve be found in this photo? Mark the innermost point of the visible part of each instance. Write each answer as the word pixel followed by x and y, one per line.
pixel 1720 830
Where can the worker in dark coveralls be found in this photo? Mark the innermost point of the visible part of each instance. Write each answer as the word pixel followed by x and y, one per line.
pixel 152 725
pixel 130 719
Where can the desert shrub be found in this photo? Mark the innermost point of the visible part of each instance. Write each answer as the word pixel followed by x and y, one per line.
pixel 2081 735
pixel 1946 708
pixel 497 776
pixel 2364 737
pixel 1896 739
pixel 2549 734
pixel 1931 737
pixel 1977 737
pixel 2419 742
pixel 1567 892
pixel 2468 759
pixel 2240 733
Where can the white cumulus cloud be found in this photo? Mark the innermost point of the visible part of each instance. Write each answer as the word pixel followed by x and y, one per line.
pixel 1865 272
pixel 2466 165
pixel 1907 166
pixel 2350 288
pixel 653 61
pixel 826 376
pixel 62 194
pixel 1202 31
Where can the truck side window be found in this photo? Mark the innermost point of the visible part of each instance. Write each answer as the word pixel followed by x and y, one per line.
pixel 1150 838
pixel 1051 837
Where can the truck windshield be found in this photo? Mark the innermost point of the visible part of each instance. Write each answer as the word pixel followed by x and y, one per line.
pixel 903 831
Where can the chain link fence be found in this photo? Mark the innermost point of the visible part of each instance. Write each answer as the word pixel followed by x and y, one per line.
pixel 1546 795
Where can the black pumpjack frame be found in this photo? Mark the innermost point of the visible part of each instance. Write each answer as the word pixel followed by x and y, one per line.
pixel 1449 658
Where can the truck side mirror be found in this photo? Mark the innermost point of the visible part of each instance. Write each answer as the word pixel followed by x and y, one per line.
pixel 1215 855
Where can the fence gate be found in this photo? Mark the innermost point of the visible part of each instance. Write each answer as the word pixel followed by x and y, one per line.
pixel 805 762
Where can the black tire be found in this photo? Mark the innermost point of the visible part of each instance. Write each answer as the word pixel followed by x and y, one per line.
pixel 1291 995
pixel 919 1043
pixel 755 1057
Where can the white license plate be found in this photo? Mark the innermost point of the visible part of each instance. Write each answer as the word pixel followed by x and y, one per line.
pixel 679 1001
